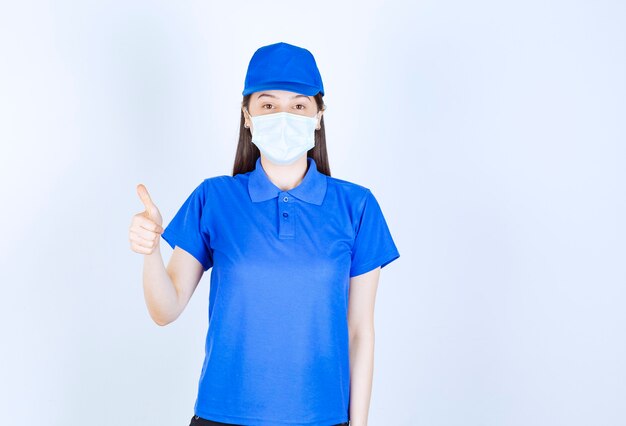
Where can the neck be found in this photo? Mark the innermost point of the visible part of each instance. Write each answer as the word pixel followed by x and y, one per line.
pixel 285 177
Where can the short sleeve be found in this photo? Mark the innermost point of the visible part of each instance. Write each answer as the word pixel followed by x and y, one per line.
pixel 373 245
pixel 185 230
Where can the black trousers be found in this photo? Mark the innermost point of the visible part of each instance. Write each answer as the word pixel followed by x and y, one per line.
pixel 199 421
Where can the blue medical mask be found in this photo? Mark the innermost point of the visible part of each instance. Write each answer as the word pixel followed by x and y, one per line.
pixel 283 137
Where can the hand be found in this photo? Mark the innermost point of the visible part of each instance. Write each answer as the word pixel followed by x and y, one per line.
pixel 145 228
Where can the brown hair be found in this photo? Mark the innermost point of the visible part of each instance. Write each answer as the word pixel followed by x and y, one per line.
pixel 247 152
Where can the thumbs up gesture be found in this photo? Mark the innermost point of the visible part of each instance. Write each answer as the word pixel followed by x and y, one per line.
pixel 146 227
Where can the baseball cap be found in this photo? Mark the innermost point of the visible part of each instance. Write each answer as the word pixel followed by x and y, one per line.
pixel 283 66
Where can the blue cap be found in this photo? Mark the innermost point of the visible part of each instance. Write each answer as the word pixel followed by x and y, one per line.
pixel 282 66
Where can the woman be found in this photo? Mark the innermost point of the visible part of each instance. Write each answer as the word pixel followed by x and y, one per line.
pixel 296 257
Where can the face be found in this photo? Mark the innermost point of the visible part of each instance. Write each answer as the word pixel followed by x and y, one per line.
pixel 271 101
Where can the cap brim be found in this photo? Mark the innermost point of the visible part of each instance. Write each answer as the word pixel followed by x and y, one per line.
pixel 303 89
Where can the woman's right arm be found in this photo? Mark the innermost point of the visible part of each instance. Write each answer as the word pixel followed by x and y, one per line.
pixel 166 290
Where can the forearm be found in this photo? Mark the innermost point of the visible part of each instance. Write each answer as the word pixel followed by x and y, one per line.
pixel 159 291
pixel 361 376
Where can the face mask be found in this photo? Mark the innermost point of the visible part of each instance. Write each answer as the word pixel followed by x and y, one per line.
pixel 283 137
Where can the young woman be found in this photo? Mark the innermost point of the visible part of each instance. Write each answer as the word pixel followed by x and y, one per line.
pixel 296 257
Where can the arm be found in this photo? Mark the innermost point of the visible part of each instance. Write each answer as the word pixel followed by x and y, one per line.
pixel 167 291
pixel 361 329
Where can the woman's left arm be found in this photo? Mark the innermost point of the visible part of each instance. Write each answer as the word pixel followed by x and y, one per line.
pixel 361 327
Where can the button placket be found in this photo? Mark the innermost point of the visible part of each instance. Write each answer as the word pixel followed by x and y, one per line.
pixel 286 218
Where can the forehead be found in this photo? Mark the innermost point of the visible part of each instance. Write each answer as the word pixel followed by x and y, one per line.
pixel 279 95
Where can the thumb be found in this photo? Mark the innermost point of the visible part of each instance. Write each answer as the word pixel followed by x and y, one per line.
pixel 146 200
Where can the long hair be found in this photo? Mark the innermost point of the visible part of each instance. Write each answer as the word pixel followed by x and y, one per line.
pixel 247 152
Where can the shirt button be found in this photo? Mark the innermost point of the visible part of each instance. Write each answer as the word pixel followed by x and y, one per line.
pixel 285 214
pixel 286 199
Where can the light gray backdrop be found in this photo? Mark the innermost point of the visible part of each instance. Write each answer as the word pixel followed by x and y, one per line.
pixel 492 134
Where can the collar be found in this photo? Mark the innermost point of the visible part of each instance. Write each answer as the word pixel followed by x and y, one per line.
pixel 312 188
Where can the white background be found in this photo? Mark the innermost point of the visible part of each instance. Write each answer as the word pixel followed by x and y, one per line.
pixel 492 133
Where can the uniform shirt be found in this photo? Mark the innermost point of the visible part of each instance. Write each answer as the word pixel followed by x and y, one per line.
pixel 276 349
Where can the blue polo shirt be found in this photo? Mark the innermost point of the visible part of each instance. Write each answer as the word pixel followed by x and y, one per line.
pixel 276 349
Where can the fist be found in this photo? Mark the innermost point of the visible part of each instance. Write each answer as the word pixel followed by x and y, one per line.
pixel 145 228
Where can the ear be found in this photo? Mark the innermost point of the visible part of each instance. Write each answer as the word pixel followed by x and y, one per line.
pixel 246 116
pixel 319 119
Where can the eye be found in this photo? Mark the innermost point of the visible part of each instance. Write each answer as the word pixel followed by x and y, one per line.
pixel 300 105
pixel 265 105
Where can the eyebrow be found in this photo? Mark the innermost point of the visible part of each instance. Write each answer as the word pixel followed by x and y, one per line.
pixel 272 96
